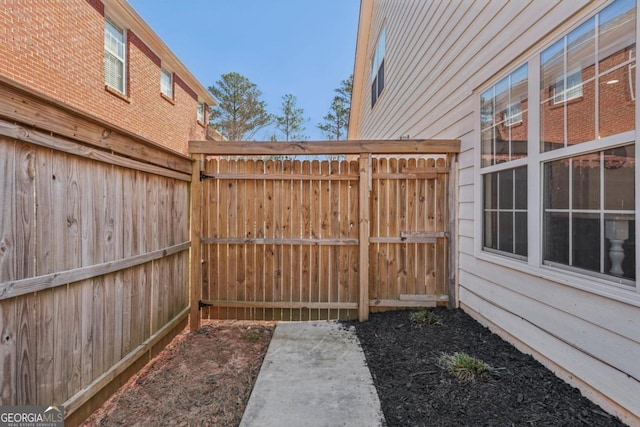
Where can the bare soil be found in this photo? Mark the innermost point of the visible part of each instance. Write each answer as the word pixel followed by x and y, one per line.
pixel 202 378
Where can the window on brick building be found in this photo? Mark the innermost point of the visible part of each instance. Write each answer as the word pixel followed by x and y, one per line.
pixel 166 83
pixel 201 114
pixel 115 61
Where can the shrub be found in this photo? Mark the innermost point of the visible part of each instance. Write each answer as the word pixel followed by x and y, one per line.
pixel 424 317
pixel 466 368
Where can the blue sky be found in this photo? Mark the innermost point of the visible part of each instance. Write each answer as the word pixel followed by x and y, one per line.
pixel 305 48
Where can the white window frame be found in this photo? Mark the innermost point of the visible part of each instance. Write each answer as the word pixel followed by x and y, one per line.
pixel 534 265
pixel 201 113
pixel 166 88
pixel 109 51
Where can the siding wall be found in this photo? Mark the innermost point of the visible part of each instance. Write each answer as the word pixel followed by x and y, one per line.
pixel 56 47
pixel 437 56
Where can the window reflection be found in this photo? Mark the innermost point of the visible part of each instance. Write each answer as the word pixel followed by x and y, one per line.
pixel 587 88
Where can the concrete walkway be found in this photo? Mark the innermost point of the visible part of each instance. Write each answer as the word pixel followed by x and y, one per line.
pixel 314 374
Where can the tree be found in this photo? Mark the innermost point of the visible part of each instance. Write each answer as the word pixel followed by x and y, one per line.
pixel 336 122
pixel 291 122
pixel 240 112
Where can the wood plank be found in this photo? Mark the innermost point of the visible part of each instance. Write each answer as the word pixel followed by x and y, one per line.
pixel 306 211
pixel 7 209
pixel 222 289
pixel 420 297
pixel 53 116
pixel 279 241
pixel 264 148
pixel 324 283
pixel 364 236
pixel 279 305
pixel 315 232
pixel 25 221
pixel 296 232
pixel 8 353
pixel 47 140
pixel 45 336
pixel 15 288
pixel 279 177
pixel 391 303
pixel 260 249
pixel 195 222
pixel 26 351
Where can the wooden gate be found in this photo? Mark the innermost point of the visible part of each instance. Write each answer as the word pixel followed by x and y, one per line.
pixel 318 239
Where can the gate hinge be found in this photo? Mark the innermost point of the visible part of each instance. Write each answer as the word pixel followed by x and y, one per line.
pixel 203 304
pixel 203 176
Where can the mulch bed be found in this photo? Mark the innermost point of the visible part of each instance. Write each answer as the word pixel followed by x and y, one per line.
pixel 415 391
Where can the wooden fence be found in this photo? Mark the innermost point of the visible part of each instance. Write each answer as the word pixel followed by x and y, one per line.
pixel 94 261
pixel 311 239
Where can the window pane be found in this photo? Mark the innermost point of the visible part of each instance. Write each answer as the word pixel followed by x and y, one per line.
pixel 505 231
pixel 617 104
pixel 501 99
pixel 581 108
pixel 556 237
pixel 521 188
pixel 585 180
pixel 505 186
pixel 581 49
pixel 551 113
pixel 490 191
pixel 556 184
pixel 487 147
pixel 521 240
pixel 620 256
pixel 617 33
pixel 619 182
pixel 486 109
pixel 586 241
pixel 491 230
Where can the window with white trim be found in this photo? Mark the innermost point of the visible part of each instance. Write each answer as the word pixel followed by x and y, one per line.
pixel 201 112
pixel 377 68
pixel 115 60
pixel 166 83
pixel 504 142
pixel 585 156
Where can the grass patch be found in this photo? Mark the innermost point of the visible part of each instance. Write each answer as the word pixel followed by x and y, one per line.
pixel 466 368
pixel 252 335
pixel 424 317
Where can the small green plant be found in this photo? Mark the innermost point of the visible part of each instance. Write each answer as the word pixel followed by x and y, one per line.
pixel 252 335
pixel 466 368
pixel 424 317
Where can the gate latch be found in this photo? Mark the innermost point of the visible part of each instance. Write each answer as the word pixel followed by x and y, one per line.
pixel 203 304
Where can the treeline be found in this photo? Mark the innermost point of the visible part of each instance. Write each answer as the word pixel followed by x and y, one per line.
pixel 241 113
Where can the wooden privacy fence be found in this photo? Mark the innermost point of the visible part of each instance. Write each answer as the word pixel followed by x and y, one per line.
pixel 318 239
pixel 94 254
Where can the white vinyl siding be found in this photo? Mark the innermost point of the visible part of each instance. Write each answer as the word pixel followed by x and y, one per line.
pixel 115 61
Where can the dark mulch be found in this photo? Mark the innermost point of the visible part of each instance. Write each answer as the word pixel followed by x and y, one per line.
pixel 415 391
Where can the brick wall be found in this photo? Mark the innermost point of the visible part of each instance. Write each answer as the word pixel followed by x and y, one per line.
pixel 56 47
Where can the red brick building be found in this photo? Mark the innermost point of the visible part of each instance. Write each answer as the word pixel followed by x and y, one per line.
pixel 102 58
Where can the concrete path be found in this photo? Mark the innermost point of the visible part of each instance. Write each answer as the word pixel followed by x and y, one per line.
pixel 314 374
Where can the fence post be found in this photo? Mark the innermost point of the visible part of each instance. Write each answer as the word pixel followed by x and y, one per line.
pixel 195 279
pixel 452 290
pixel 363 240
